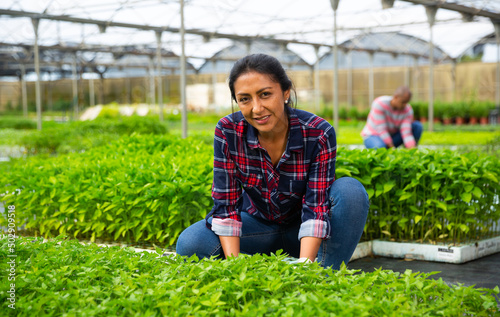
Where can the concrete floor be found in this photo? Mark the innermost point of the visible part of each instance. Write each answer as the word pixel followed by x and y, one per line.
pixel 482 273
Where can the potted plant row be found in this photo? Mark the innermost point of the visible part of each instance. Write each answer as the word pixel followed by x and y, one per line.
pixel 460 112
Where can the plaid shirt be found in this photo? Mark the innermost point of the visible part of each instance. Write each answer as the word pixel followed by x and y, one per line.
pixel 246 180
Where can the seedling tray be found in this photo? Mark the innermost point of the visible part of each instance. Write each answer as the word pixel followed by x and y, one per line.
pixel 436 253
pixel 363 250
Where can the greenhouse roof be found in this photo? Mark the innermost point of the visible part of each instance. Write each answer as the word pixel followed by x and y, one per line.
pixel 213 25
pixel 373 42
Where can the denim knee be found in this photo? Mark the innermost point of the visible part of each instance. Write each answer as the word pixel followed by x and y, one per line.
pixel 185 245
pixel 374 142
pixel 350 193
pixel 417 129
pixel 198 239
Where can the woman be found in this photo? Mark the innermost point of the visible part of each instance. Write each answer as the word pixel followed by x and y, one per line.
pixel 274 172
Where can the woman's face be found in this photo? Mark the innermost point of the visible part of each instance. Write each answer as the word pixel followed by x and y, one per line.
pixel 262 102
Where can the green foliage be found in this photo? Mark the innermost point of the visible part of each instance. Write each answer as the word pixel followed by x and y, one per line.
pixel 363 115
pixel 457 136
pixel 326 112
pixel 471 58
pixel 12 137
pixel 481 109
pixel 65 278
pixel 83 135
pixel 353 113
pixel 140 188
pixel 18 123
pixel 428 196
pixel 493 147
pixel 146 187
pixel 448 110
pixel 343 114
pixel 110 111
pixel 62 105
pixel 420 109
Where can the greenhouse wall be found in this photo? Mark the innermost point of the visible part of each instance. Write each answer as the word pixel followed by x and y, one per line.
pixel 473 80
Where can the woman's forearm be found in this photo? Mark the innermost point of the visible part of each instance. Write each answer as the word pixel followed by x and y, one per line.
pixel 230 245
pixel 309 247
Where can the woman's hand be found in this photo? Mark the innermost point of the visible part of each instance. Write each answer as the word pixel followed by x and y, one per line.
pixel 309 247
pixel 230 245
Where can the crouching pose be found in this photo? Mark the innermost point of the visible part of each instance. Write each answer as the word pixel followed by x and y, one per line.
pixel 274 183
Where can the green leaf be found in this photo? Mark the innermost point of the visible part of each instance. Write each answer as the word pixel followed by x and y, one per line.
pixel 470 211
pixel 341 172
pixel 490 176
pixel 466 197
pixel 405 196
pixel 370 192
pixel 388 186
pixel 477 192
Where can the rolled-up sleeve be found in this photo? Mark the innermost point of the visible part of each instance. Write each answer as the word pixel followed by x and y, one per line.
pixel 225 189
pixel 316 202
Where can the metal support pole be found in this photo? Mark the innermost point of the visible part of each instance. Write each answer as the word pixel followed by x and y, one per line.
pixel 497 87
pixel 453 79
pixel 24 92
pixel 431 17
pixel 38 95
pixel 248 46
pixel 91 92
pixel 151 82
pixel 335 4
pixel 128 85
pixel 407 72
pixel 214 84
pixel 317 92
pixel 50 102
pixel 387 4
pixel 414 90
pixel 371 79
pixel 349 79
pixel 183 75
pixel 158 74
pixel 75 88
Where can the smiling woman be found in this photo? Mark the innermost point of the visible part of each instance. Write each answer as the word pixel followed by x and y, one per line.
pixel 261 101
pixel 274 181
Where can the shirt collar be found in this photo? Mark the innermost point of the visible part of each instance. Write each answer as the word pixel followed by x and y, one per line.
pixel 295 140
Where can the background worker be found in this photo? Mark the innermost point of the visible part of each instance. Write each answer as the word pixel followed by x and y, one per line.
pixel 390 122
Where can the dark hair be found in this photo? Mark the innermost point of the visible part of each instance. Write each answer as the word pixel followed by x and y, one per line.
pixel 262 64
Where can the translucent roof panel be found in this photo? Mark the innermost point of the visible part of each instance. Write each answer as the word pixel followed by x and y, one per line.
pixel 489 5
pixel 290 20
pixel 392 41
pixel 228 55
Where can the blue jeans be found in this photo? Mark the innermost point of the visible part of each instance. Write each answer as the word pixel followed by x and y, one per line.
pixel 349 211
pixel 375 142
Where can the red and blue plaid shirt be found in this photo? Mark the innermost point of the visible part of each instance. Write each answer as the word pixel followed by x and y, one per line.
pixel 246 180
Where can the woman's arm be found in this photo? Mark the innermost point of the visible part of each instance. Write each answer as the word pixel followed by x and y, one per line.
pixel 315 216
pixel 309 247
pixel 226 190
pixel 230 245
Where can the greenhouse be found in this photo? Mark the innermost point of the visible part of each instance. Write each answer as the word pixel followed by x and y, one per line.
pixel 250 158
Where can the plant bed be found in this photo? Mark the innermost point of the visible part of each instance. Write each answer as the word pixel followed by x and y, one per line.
pixel 62 277
pixel 436 252
pixel 147 189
